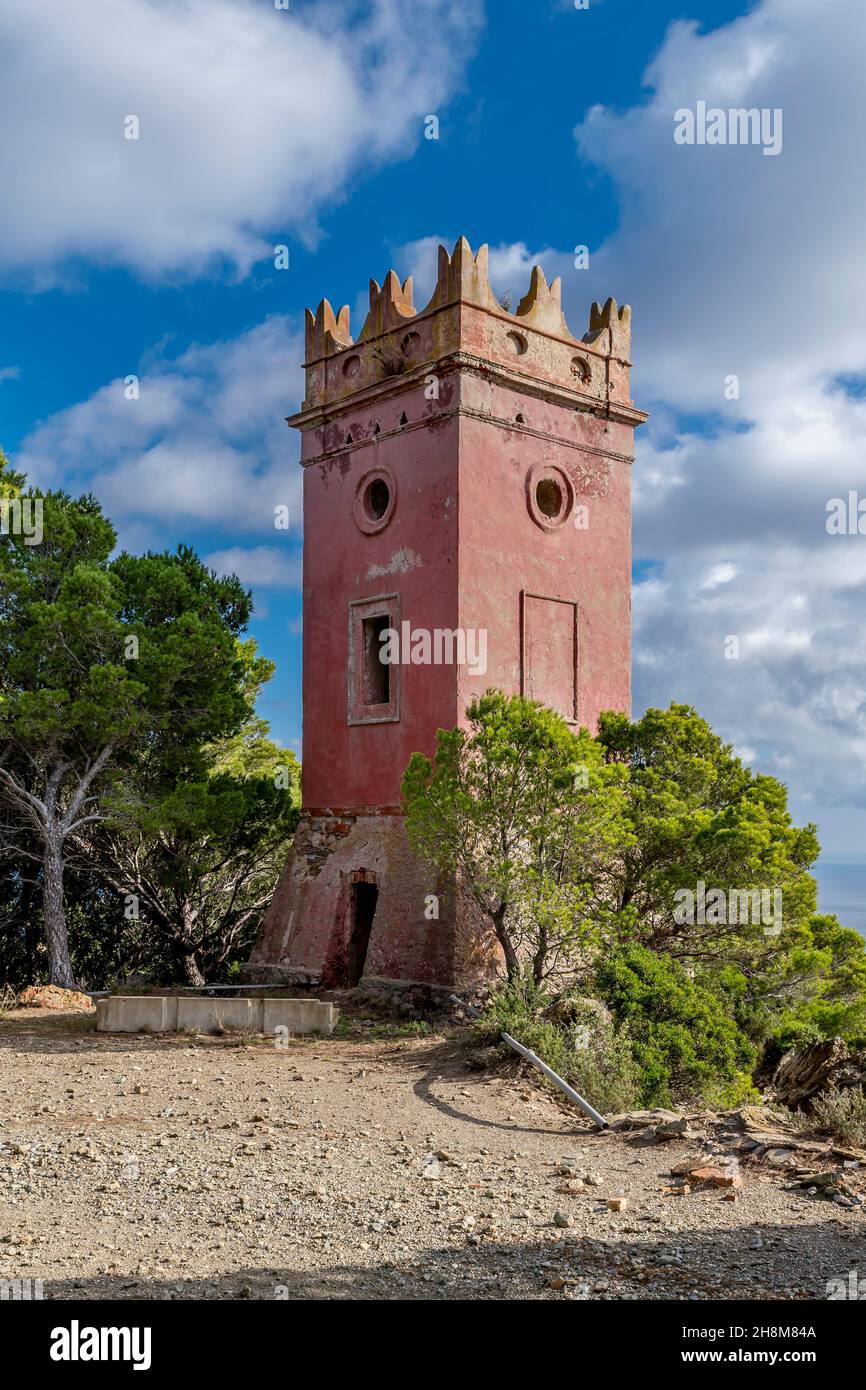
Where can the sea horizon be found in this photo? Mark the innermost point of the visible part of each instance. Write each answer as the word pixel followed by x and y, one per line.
pixel 842 889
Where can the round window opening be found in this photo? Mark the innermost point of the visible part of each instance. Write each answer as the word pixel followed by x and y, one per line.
pixel 377 497
pixel 374 501
pixel 549 498
pixel 549 495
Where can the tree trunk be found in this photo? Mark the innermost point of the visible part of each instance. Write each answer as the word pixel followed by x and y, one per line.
pixel 59 964
pixel 539 960
pixel 512 964
pixel 187 963
pixel 806 1072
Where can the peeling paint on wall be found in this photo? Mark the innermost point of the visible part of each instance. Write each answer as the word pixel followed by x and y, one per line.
pixel 401 562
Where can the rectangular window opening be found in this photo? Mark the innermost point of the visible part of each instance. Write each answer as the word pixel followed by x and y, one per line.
pixel 373 684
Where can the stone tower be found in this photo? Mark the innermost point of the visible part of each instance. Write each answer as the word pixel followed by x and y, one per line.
pixel 467 486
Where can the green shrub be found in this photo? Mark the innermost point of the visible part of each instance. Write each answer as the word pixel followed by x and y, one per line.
pixel 572 1036
pixel 685 1045
pixel 843 1113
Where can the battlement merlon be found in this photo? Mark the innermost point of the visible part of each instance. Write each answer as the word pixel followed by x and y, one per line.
pixel 465 320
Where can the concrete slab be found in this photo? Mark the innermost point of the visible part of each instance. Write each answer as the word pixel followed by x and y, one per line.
pixel 298 1015
pixel 163 1013
pixel 134 1013
pixel 209 1015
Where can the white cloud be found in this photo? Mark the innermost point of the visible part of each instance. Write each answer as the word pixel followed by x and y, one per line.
pixel 9 373
pixel 738 264
pixel 266 566
pixel 720 574
pixel 746 259
pixel 206 440
pixel 250 119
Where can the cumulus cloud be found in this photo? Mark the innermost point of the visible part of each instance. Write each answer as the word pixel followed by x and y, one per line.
pixel 747 267
pixel 265 566
pixel 204 440
pixel 751 257
pixel 249 119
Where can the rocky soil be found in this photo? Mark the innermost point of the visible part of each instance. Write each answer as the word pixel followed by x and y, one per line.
pixel 378 1166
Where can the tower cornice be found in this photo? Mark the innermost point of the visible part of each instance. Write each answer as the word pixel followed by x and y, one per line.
pixel 367 397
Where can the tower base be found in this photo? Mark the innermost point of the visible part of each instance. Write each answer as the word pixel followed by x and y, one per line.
pixel 354 905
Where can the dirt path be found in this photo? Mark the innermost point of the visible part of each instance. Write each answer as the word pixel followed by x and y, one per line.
pixel 137 1167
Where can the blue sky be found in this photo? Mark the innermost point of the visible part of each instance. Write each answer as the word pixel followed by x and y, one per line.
pixel 305 127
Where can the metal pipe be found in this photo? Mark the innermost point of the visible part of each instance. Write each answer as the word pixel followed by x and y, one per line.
pixel 551 1075
pixel 191 989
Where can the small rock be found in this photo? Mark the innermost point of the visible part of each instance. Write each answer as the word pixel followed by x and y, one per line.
pixel 674 1129
pixel 717 1176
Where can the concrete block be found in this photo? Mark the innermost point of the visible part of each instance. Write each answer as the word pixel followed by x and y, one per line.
pixel 211 1015
pixel 298 1015
pixel 132 1013
pixel 161 1013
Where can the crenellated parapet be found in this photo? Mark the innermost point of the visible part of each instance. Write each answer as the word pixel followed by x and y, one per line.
pixel 615 323
pixel 390 307
pixel 326 333
pixel 465 323
pixel 541 306
pixel 463 278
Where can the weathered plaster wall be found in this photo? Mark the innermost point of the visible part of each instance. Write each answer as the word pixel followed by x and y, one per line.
pixel 415 555
pixel 308 923
pixel 503 551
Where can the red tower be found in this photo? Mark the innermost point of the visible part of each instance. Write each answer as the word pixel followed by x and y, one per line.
pixel 466 486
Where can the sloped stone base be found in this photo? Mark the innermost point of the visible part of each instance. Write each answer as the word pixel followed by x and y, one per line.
pixel 422 933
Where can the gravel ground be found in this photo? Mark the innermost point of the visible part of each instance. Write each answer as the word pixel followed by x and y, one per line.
pixel 362 1167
